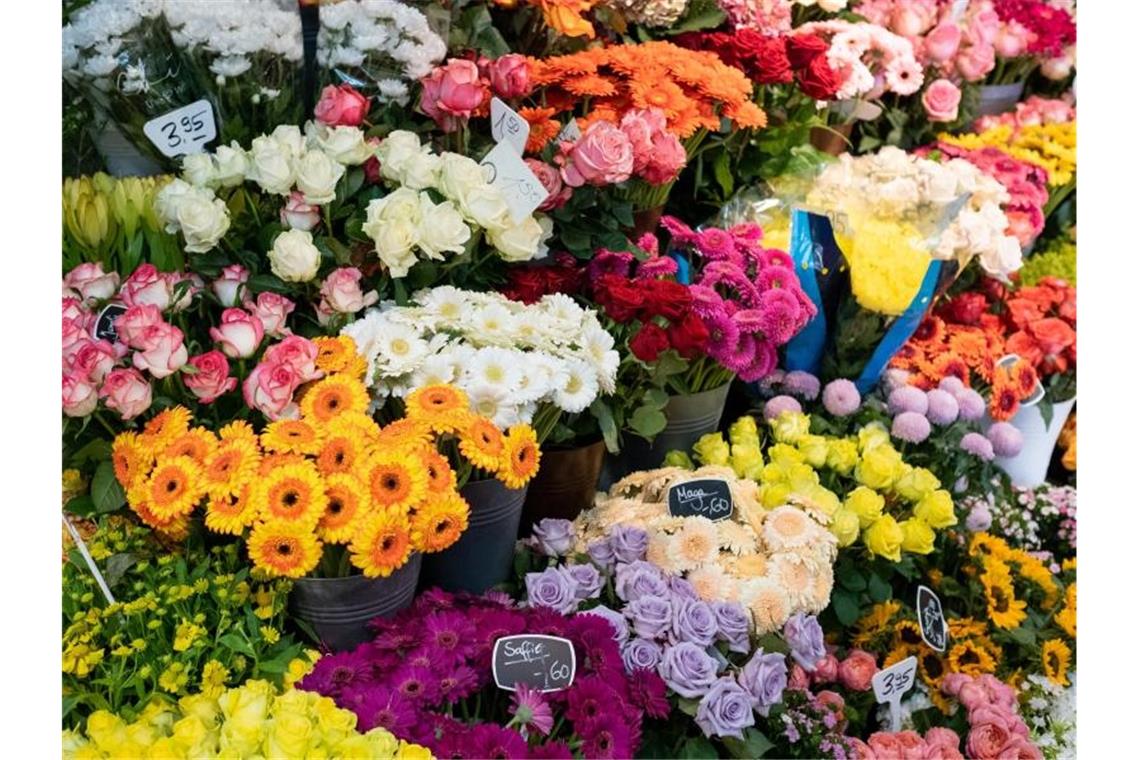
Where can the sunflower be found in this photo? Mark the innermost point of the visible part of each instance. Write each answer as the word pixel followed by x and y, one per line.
pixel 441 478
pixel 898 654
pixel 129 458
pixel 964 628
pixel 382 543
pixel 433 403
pixel 880 615
pixel 439 522
pixel 238 429
pixel 984 544
pixel 907 633
pixel 1056 657
pixel 971 659
pixel 293 493
pixel 286 549
pixel 520 457
pixel 338 354
pixel 196 443
pixel 339 453
pixel 231 514
pixel 291 437
pixel 482 443
pixel 332 396
pixel 1066 619
pixel 395 481
pixel 347 502
pixel 1005 610
pixel 174 487
pixel 230 466
pixel 165 427
pixel 932 667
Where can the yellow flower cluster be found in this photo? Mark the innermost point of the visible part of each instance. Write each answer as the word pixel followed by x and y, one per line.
pixel 248 721
pixel 888 260
pixel 331 477
pixel 1053 147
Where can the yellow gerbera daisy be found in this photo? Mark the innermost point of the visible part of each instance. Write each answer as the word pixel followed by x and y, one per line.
pixel 347 503
pixel 237 429
pixel 1056 657
pixel 231 514
pixel 293 493
pixel 333 396
pixel 441 478
pixel 395 481
pixel 440 521
pixel 165 427
pixel 130 459
pixel 230 466
pixel 442 408
pixel 359 426
pixel 291 437
pixel 382 543
pixel 286 549
pixel 196 443
pixel 336 354
pixel 520 456
pixel 407 434
pixel 339 453
pixel 174 487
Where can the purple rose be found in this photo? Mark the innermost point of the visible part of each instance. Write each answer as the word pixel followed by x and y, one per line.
pixel 629 543
pixel 651 616
pixel 640 653
pixel 551 588
pixel 805 637
pixel 601 553
pixel 587 580
pixel 554 536
pixel 725 710
pixel 681 587
pixel 764 677
pixel 693 620
pixel 615 618
pixel 687 669
pixel 732 625
pixel 639 579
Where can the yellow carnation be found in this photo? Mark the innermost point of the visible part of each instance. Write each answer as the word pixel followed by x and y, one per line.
pixel 884 538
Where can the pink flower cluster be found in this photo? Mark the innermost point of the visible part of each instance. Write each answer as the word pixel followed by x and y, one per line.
pixel 606 154
pixel 283 368
pixel 771 17
pixel 996 729
pixel 1033 111
pixel 853 672
pixel 868 59
pixel 941 743
pixel 460 89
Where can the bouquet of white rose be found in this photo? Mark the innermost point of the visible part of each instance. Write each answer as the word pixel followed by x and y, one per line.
pixel 540 364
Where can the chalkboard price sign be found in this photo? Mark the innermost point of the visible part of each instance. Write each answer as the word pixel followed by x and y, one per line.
pixel 546 663
pixel 931 622
pixel 709 498
pixel 105 324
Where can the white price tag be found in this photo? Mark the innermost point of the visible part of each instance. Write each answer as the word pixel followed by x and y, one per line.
pixel 522 190
pixel 183 130
pixel 570 133
pixel 891 683
pixel 507 126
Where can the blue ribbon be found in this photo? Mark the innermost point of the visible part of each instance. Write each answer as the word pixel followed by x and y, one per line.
pixel 900 330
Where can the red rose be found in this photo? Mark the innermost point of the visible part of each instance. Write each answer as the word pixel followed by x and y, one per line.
pixel 525 284
pixel 966 308
pixel 666 298
pixel 649 342
pixel 689 336
pixel 804 48
pixel 771 63
pixel 619 297
pixel 1023 311
pixel 818 80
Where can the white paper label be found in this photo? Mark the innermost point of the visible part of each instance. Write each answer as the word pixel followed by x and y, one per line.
pixel 570 133
pixel 891 683
pixel 506 171
pixel 507 126
pixel 183 130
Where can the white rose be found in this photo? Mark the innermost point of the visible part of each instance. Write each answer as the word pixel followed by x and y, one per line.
pixel 396 240
pixel 168 199
pixel 231 165
pixel 401 203
pixel 524 241
pixel 1002 258
pixel 458 175
pixel 198 169
pixel 294 258
pixel 441 228
pixel 288 136
pixel 487 207
pixel 396 151
pixel 832 6
pixel 203 220
pixel 343 144
pixel 422 171
pixel 317 175
pixel 271 166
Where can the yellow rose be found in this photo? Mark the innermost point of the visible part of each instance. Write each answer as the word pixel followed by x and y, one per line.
pixel 107 731
pixel 245 710
pixel 801 478
pixel 783 454
pixel 884 538
pixel 383 744
pixel 842 455
pixel 192 735
pixel 789 427
pixel 201 706
pixel 915 483
pixel 679 459
pixel 165 748
pixel 712 449
pixel 879 467
pixel 918 538
pixel 413 752
pixel 873 435
pixel 744 433
pixel 291 701
pixel 826 501
pixel 747 462
pixel 845 526
pixel 936 510
pixel 773 495
pixel 289 734
pixel 814 448
pixel 332 721
pixel 865 504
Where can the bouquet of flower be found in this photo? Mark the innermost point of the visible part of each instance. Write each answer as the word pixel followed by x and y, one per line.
pixel 538 364
pixel 430 665
pixel 869 59
pixel 1033 34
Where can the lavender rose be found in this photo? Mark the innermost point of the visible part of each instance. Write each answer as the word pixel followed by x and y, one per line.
pixel 805 637
pixel 551 588
pixel 554 536
pixel 687 669
pixel 725 710
pixel 587 580
pixel 764 677
pixel 682 587
pixel 640 653
pixel 693 621
pixel 601 553
pixel 629 543
pixel 651 616
pixel 639 579
pixel 732 625
pixel 615 618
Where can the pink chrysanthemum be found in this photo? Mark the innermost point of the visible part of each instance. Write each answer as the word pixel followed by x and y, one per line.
pixel 777 405
pixel 841 398
pixel 977 445
pixel 1007 439
pixel 779 316
pixel 911 427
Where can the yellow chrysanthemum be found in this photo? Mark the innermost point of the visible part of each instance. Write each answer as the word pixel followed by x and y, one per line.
pixel 439 522
pixel 520 458
pixel 441 478
pixel 339 453
pixel 1056 657
pixel 333 396
pixel 971 659
pixel 231 466
pixel 214 676
pixel 165 427
pixel 291 437
pixel 287 549
pixel 231 514
pixel 238 429
pixel 130 459
pixel 174 487
pixel 347 502
pixel 294 493
pixel 395 481
pixel 482 443
pixel 196 443
pixel 382 543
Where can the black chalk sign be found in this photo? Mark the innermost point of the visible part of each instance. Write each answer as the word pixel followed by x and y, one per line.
pixel 105 324
pixel 709 498
pixel 931 622
pixel 546 663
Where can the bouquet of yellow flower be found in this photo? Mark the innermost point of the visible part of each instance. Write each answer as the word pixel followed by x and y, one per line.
pixel 330 488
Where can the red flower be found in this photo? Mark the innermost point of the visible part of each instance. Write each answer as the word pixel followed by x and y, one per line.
pixel 766 57
pixel 1024 345
pixel 1023 311
pixel 689 336
pixel 818 80
pixel 649 342
pixel 966 308
pixel 621 297
pixel 805 48
pixel 665 298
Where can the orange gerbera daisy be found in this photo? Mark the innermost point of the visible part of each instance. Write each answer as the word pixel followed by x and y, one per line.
pixel 332 396
pixel 347 503
pixel 951 365
pixel 404 433
pixel 284 549
pixel 905 357
pixel 746 115
pixel 231 514
pixel 291 437
pixel 440 476
pixel 929 332
pixel 481 442
pixel 395 481
pixel 294 493
pixel 663 94
pixel 238 429
pixel 129 458
pixel 335 354
pixel 165 427
pixel 520 456
pixel 434 401
pixel 382 543
pixel 1024 377
pixel 339 453
pixel 271 462
pixel 589 85
pixel 196 443
pixel 174 487
pixel 440 521
pixel 1005 399
pixel 230 467
pixel 969 343
pixel 543 128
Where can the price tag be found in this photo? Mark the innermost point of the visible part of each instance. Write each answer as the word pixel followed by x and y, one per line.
pixel 505 170
pixel 183 130
pixel 709 498
pixel 570 133
pixel 546 663
pixel 931 622
pixel 891 683
pixel 507 126
pixel 104 328
pixel 958 10
pixel 1008 361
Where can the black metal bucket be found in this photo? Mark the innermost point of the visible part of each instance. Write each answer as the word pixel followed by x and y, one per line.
pixel 564 486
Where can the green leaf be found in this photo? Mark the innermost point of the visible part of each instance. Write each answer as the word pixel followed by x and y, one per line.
pixel 656 397
pixel 754 745
pixel 846 606
pixel 81 506
pixel 878 588
pixel 339 250
pixel 1046 412
pixel 702 14
pixel 687 705
pixel 647 421
pixel 852 580
pixel 117 566
pixel 353 180
pixel 106 493
pixel 236 643
pixel 1023 636
pixel 260 282
pixel 697 748
pixel 609 428
pixel 723 173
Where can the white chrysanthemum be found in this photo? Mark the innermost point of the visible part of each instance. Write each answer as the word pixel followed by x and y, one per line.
pixel 579 389
pixel 695 544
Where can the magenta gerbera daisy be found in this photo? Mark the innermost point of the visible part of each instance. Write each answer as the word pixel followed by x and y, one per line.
pixel 416 683
pixel 606 736
pixel 590 697
pixel 531 710
pixel 385 708
pixel 449 633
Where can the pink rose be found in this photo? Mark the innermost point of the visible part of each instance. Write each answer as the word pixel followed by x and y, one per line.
pixel 984 26
pixel 1012 40
pixel 942 42
pixel 826 670
pixel 131 324
pixel 230 287
pixel 991 713
pixel 1019 748
pixel 93 359
pixel 299 353
pixel 946 738
pixel 341 292
pixel 239 334
pixel 271 309
pixel 127 392
pixel 952 683
pixel 185 294
pixel 603 155
pixel 857 670
pixel 1057 69
pixel 452 92
pixel 986 740
pixel 640 125
pixel 972 695
pixel 911 746
pixel 72 308
pixel 74 334
pixel 212 378
pixel 299 215
pixel 147 285
pixel 162 351
pixel 269 389
pixel 798 678
pixel 976 61
pixel 79 395
pixel 666 160
pixel 510 76
pixel 999 691
pixel 341 106
pixel 941 100
pixel 548 175
pixel 859 749
pixel 91 282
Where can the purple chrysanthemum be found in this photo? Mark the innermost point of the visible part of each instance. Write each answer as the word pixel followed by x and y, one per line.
pixel 907 399
pixel 774 257
pixel 841 398
pixel 894 378
pixel 802 384
pixel 941 407
pixel 979 519
pixel 911 427
pixel 715 244
pixel 1007 439
pixel 610 262
pixel 977 445
pixel 771 383
pixel 777 405
pixel 971 405
pixel 724 334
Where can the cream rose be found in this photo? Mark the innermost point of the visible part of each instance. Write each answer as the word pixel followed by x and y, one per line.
pixel 345 145
pixel 458 175
pixel 294 258
pixel 203 220
pixel 271 166
pixel 396 240
pixel 441 228
pixel 524 241
pixel 317 175
pixel 402 203
pixel 422 171
pixel 167 201
pixel 198 169
pixel 396 151
pixel 288 136
pixel 487 207
pixel 231 165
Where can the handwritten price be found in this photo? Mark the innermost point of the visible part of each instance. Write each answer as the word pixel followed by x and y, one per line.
pixel 183 130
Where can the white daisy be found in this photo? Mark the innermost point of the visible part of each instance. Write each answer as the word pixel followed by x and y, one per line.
pixel 494 403
pixel 399 349
pixel 497 367
pixel 579 389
